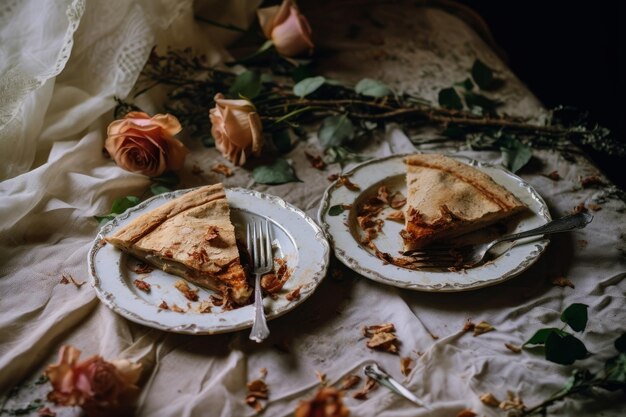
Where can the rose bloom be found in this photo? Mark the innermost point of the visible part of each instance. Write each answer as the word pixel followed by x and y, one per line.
pixel 146 145
pixel 287 28
pixel 236 129
pixel 94 384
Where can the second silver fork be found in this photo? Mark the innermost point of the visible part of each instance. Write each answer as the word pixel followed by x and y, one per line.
pixel 259 243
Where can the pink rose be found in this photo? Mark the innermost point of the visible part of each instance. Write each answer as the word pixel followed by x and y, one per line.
pixel 287 28
pixel 94 384
pixel 236 129
pixel 146 145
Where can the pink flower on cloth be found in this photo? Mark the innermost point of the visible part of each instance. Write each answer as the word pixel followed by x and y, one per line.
pixel 96 385
pixel 236 129
pixel 146 145
pixel 288 29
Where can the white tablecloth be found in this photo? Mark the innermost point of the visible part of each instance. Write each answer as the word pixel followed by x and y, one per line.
pixel 62 63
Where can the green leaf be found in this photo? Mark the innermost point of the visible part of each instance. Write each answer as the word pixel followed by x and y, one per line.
pixel 515 154
pixel 104 219
pixel 620 343
pixel 564 350
pixel 336 210
pixel 372 88
pixel 467 84
pixel 247 84
pixel 335 130
pixel 157 189
pixel 308 85
pixel 579 377
pixel 168 178
pixel 123 203
pixel 575 316
pixel 282 141
pixel 541 335
pixel 449 98
pixel 279 172
pixel 475 100
pixel 482 74
pixel 615 371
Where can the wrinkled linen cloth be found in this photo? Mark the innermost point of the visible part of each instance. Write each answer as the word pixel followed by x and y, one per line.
pixel 58 82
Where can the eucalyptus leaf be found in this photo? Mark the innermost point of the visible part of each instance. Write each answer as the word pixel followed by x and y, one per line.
pixel 157 189
pixel 515 154
pixel 482 75
pixel 564 350
pixel 541 335
pixel 121 204
pixel 335 130
pixel 168 178
pixel 279 172
pixel 372 88
pixel 575 316
pixel 449 98
pixel 579 378
pixel 246 84
pixel 308 85
pixel 486 104
pixel 336 210
pixel 615 371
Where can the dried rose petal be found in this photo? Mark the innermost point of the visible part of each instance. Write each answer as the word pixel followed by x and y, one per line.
pixel 369 331
pixel 343 180
pixel 554 176
pixel 350 381
pixel 383 341
pixel 177 309
pixel 562 282
pixel 370 385
pixel 513 402
pixel 182 286
pixel 164 305
pixel 321 377
pixel 513 348
pixel 222 169
pixel 326 403
pixel 483 327
pixel 142 285
pixel 489 399
pixel 293 294
pixel 316 161
pixel 580 208
pixel 469 326
pixel 406 365
pixel 466 413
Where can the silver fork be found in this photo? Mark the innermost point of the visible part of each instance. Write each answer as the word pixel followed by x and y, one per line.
pixel 471 255
pixel 259 244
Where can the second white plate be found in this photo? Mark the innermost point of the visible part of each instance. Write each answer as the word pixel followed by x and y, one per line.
pixel 343 231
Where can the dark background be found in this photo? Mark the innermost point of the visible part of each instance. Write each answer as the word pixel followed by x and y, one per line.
pixel 570 53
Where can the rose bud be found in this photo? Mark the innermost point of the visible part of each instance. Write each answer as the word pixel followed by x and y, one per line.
pixel 146 145
pixel 94 384
pixel 287 28
pixel 236 129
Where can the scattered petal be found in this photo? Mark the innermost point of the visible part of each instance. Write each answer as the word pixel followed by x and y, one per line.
pixel 562 282
pixel 370 385
pixel 316 161
pixel 466 413
pixel 514 402
pixel 177 309
pixel 513 348
pixel 406 365
pixel 293 294
pixel 321 377
pixel 590 181
pixel 489 399
pixel 222 169
pixel 326 403
pixel 554 176
pixel 469 326
pixel 163 305
pixel 343 180
pixel 142 285
pixel 350 381
pixel 483 327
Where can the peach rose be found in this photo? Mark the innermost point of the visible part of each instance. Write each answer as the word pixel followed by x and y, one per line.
pixel 236 129
pixel 94 384
pixel 146 145
pixel 287 28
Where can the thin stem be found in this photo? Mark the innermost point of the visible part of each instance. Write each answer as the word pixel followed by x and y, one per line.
pixel 220 25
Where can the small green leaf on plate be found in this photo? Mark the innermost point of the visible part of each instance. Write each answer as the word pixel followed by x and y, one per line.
pixel 335 130
pixel 121 204
pixel 372 88
pixel 564 350
pixel 336 210
pixel 157 189
pixel 308 85
pixel 482 75
pixel 247 84
pixel 541 335
pixel 575 316
pixel 279 172
pixel 449 98
pixel 515 154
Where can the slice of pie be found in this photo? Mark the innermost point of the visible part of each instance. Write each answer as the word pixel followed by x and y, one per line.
pixel 190 236
pixel 447 198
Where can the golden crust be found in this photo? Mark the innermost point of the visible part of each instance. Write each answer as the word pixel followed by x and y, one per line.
pixel 190 236
pixel 447 198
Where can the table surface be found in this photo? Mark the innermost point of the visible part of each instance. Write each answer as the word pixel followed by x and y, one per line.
pixel 47 228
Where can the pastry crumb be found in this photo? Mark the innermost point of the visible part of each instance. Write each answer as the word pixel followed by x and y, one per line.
pixel 142 285
pixel 183 287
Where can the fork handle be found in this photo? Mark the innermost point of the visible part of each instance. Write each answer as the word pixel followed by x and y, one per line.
pixel 260 331
pixel 564 224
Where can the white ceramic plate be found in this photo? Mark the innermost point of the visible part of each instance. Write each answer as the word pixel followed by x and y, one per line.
pixel 294 234
pixel 344 232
